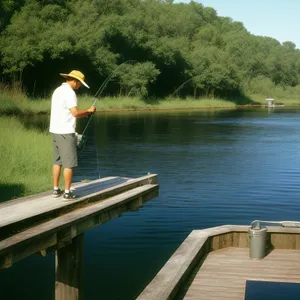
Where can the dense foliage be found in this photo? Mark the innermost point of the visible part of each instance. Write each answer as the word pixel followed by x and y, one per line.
pixel 182 49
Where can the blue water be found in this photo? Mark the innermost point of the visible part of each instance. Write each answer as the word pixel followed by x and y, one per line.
pixel 214 167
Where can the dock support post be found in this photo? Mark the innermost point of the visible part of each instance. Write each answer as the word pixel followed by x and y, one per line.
pixel 69 270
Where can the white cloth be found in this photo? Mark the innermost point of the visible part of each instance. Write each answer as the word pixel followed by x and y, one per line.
pixel 61 119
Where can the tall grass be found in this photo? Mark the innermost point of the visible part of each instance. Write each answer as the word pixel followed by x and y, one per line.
pixel 135 103
pixel 113 103
pixel 13 100
pixel 261 88
pixel 13 93
pixel 26 159
pixel 190 103
pixel 35 106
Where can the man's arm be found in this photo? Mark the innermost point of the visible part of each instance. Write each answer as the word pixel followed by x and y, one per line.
pixel 82 113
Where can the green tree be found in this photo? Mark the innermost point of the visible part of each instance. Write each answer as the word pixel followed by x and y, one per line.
pixel 134 79
pixel 189 45
pixel 7 9
pixel 289 45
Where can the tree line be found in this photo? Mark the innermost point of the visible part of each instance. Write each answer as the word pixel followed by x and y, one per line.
pixel 147 48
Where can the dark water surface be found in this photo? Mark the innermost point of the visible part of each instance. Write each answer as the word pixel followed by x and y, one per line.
pixel 215 168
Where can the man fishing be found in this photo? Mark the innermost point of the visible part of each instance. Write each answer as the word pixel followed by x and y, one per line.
pixel 64 112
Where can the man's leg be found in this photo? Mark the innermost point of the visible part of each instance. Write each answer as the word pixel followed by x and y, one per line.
pixel 69 159
pixel 68 175
pixel 56 175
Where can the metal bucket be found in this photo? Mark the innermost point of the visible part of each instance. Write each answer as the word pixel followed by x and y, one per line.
pixel 257 242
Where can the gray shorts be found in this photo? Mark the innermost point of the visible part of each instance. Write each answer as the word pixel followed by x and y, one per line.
pixel 64 150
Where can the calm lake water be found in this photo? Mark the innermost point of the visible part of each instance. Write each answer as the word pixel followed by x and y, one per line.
pixel 214 167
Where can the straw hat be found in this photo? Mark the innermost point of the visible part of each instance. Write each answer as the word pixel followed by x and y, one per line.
pixel 77 75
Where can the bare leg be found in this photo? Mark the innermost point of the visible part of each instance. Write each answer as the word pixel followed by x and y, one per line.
pixel 56 174
pixel 68 175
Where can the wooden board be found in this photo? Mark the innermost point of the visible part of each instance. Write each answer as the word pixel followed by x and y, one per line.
pixel 22 213
pixel 224 272
pixel 60 231
pixel 20 209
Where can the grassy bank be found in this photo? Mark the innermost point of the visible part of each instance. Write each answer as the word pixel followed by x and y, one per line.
pixel 131 103
pixel 14 101
pixel 30 106
pixel 26 160
pixel 10 106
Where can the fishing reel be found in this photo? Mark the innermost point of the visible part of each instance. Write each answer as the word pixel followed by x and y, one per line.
pixel 80 141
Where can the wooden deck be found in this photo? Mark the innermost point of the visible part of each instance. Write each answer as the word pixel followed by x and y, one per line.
pixel 214 263
pixel 27 207
pixel 41 223
pixel 224 272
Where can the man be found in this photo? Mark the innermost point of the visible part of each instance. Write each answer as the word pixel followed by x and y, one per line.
pixel 64 112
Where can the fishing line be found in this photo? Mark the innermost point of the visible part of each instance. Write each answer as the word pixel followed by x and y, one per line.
pixel 82 138
pixel 101 89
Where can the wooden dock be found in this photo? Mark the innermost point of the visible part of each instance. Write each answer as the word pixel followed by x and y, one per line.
pixel 224 273
pixel 215 264
pixel 41 223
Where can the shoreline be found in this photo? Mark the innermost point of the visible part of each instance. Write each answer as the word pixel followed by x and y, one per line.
pixel 149 109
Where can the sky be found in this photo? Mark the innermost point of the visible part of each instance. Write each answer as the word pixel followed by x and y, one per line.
pixel 279 19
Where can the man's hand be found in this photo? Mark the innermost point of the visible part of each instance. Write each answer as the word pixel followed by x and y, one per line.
pixel 82 113
pixel 92 109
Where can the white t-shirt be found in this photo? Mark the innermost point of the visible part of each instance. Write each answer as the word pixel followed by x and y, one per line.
pixel 61 119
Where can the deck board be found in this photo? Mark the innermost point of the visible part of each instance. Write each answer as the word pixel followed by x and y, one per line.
pixel 72 217
pixel 19 214
pixel 224 272
pixel 23 208
pixel 42 223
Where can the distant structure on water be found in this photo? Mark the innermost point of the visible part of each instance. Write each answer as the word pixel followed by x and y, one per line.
pixel 271 103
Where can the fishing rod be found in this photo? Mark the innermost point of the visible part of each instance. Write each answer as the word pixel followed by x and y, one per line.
pixel 81 138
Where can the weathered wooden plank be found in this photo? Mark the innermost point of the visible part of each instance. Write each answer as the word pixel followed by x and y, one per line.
pixel 167 281
pixel 20 215
pixel 285 241
pixel 14 202
pixel 225 272
pixel 69 271
pixel 240 239
pixel 221 241
pixel 60 231
pixel 165 284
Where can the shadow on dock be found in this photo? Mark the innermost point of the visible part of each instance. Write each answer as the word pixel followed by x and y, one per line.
pixel 9 191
